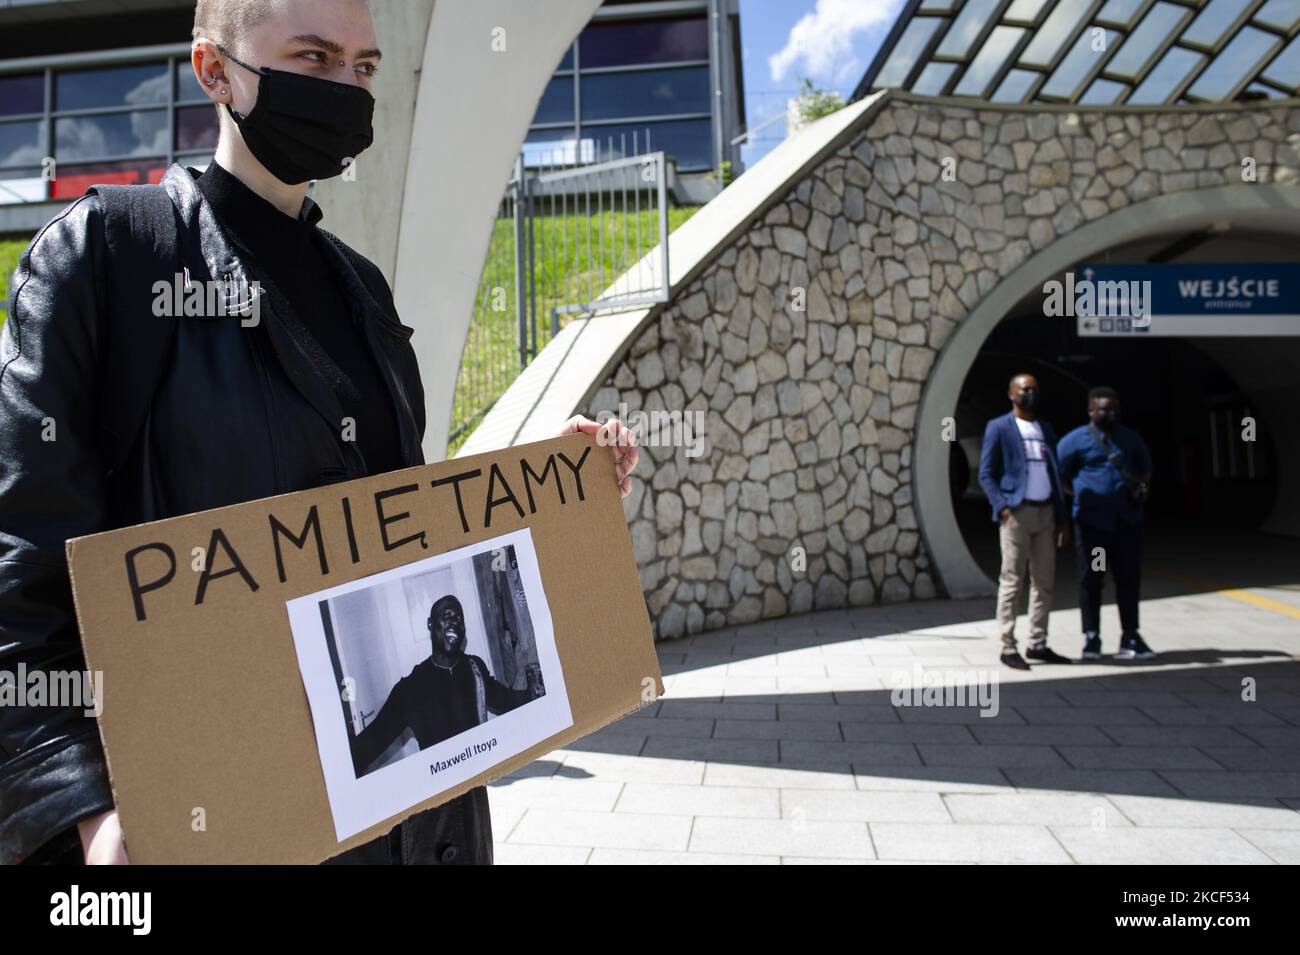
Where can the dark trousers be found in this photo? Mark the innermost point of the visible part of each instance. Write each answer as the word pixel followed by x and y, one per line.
pixel 458 832
pixel 1121 555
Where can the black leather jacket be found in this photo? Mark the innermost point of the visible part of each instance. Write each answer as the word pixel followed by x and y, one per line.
pixel 239 414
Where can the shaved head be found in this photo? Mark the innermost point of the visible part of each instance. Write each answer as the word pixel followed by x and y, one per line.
pixel 229 21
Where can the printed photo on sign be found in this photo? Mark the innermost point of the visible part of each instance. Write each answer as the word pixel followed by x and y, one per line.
pixel 426 675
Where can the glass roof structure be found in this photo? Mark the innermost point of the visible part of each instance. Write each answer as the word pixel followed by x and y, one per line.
pixel 1092 52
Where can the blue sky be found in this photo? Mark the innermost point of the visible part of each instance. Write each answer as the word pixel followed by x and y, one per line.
pixel 830 41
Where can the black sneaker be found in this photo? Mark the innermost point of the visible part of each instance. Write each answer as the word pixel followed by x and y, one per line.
pixel 1092 646
pixel 1046 654
pixel 1133 647
pixel 1014 660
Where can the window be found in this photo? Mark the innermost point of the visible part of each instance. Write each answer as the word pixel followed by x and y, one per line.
pixel 1162 83
pixel 628 42
pixel 556 147
pixel 1213 22
pixel 1025 11
pixel 125 122
pixel 556 104
pixel 1080 63
pixel 110 136
pixel 1234 64
pixel 964 31
pixel 188 89
pixel 20 143
pixel 1285 70
pixel 1120 13
pixel 624 76
pixel 196 128
pixel 908 50
pixel 1103 92
pixel 22 94
pixel 645 93
pixel 1051 36
pixel 933 78
pixel 687 141
pixel 1156 29
pixel 986 64
pixel 1015 88
pixel 134 85
pixel 1093 52
pixel 1279 14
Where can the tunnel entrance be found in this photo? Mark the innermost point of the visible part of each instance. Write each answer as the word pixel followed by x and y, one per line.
pixel 1222 511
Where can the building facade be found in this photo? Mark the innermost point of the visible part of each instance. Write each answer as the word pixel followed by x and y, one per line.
pixel 648 76
pixel 88 97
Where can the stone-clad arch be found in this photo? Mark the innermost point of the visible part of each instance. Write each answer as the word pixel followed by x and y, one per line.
pixel 812 416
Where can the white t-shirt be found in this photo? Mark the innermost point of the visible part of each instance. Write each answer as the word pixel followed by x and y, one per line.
pixel 1039 486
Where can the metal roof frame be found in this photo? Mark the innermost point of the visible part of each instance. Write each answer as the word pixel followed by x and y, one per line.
pixel 1118 34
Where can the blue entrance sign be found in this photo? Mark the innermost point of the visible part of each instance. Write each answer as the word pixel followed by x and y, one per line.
pixel 1200 300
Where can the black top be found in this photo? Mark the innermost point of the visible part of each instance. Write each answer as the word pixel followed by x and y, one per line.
pixel 435 703
pixel 288 252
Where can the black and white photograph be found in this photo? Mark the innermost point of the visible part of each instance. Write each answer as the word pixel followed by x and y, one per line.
pixel 425 675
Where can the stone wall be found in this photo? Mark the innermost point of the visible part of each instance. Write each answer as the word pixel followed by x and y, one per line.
pixel 807 340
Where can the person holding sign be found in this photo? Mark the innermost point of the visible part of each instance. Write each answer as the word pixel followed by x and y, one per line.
pixel 202 342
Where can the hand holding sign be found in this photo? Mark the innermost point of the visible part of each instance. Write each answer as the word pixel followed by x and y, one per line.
pixel 615 435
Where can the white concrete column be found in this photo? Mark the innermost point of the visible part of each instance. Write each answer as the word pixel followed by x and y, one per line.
pixel 365 210
pixel 485 66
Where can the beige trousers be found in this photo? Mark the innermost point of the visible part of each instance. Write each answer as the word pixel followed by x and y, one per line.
pixel 1028 541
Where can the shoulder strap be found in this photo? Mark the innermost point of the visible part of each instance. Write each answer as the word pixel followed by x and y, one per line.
pixel 141 233
pixel 1111 454
pixel 359 265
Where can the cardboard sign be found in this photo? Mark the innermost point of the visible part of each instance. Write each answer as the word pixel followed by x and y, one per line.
pixel 287 678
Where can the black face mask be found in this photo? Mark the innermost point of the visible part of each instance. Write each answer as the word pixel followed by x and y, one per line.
pixel 1027 400
pixel 1105 417
pixel 304 127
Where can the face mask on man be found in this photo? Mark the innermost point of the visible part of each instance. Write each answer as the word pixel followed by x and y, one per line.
pixel 1027 400
pixel 1105 417
pixel 304 127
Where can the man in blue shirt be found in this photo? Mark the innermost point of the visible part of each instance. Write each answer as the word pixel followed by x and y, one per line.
pixel 1109 466
pixel 1018 472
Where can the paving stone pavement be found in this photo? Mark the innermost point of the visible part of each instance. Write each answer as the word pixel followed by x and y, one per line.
pixel 779 742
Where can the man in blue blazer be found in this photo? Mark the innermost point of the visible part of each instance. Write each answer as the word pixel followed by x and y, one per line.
pixel 1019 474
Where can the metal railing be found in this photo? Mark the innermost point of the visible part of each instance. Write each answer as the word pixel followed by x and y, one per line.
pixel 568 240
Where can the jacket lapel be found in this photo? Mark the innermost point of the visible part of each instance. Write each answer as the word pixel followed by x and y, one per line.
pixel 1017 443
pixel 385 336
pixel 290 340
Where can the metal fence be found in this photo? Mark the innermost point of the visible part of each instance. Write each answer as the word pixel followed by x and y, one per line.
pixel 569 239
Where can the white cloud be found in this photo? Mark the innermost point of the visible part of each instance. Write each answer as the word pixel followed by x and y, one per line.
pixel 848 73
pixel 823 39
